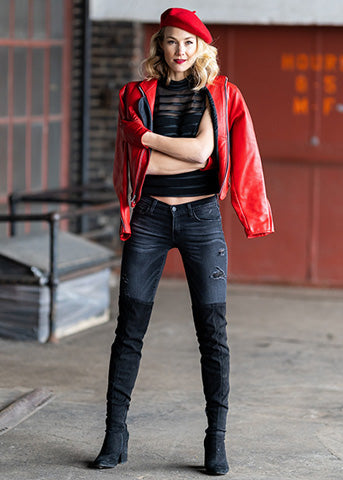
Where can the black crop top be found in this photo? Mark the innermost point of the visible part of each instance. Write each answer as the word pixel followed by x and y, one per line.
pixel 177 113
pixel 178 109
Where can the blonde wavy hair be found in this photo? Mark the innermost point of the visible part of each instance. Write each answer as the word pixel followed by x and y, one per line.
pixel 204 70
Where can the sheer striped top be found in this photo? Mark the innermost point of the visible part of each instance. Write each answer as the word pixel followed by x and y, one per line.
pixel 177 113
pixel 178 109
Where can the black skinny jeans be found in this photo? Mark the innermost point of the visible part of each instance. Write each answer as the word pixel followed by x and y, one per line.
pixel 194 228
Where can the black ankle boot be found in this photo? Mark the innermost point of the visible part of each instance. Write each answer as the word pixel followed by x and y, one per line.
pixel 215 454
pixel 113 451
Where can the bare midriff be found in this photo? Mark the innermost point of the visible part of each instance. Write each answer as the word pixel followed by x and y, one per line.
pixel 180 200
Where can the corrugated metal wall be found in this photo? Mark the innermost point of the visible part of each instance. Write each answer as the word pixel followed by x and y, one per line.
pixel 292 79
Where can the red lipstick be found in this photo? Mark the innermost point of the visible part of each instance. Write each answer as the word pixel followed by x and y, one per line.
pixel 179 61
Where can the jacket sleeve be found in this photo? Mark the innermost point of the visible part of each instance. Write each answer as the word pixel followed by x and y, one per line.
pixel 133 128
pixel 121 173
pixel 248 193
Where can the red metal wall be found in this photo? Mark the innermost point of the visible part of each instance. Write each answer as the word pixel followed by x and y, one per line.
pixel 292 80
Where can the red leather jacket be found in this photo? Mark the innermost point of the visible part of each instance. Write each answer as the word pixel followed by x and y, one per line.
pixel 235 154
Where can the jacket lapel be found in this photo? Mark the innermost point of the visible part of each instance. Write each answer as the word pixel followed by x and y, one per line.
pixel 149 88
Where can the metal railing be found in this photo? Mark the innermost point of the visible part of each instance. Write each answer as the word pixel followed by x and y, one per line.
pixel 83 197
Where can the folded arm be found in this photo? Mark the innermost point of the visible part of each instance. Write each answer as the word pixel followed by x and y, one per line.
pixel 162 164
pixel 194 151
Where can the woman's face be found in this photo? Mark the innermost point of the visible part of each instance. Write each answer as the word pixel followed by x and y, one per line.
pixel 179 49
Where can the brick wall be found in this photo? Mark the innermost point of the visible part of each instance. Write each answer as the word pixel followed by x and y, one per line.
pixel 117 51
pixel 116 54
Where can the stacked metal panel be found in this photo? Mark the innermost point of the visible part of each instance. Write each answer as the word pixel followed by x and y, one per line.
pixel 82 296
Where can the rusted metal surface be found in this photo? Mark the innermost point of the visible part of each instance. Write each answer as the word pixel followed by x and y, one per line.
pixel 330 225
pixel 292 80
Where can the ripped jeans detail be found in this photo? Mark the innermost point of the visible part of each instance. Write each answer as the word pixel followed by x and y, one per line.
pixel 157 228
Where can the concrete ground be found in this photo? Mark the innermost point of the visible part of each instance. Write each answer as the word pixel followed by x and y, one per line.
pixel 286 414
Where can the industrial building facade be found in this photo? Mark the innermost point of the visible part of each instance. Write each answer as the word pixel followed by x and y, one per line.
pixel 291 76
pixel 292 80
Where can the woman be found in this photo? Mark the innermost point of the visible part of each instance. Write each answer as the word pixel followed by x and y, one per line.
pixel 173 142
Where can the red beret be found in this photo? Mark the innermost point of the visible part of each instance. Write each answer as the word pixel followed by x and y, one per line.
pixel 186 20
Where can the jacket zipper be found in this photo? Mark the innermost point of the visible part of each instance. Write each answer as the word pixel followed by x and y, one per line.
pixel 228 138
pixel 134 193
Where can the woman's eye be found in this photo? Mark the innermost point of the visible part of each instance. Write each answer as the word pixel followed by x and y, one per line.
pixel 171 42
pixel 189 42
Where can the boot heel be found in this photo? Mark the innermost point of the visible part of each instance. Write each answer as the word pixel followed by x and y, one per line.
pixel 123 456
pixel 215 455
pixel 113 451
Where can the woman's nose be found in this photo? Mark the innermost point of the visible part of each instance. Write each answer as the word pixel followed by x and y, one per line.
pixel 180 49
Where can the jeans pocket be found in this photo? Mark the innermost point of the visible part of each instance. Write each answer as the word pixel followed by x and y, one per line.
pixel 206 212
pixel 141 208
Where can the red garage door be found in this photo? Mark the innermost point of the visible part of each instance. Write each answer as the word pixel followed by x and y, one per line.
pixel 292 80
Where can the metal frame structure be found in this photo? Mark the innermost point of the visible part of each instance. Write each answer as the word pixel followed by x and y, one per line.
pixel 88 199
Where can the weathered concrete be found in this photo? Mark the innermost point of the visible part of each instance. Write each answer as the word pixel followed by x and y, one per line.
pixel 286 418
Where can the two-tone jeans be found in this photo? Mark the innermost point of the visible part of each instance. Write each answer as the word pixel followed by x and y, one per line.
pixel 195 229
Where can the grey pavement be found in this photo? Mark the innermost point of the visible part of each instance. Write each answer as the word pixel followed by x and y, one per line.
pixel 286 403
